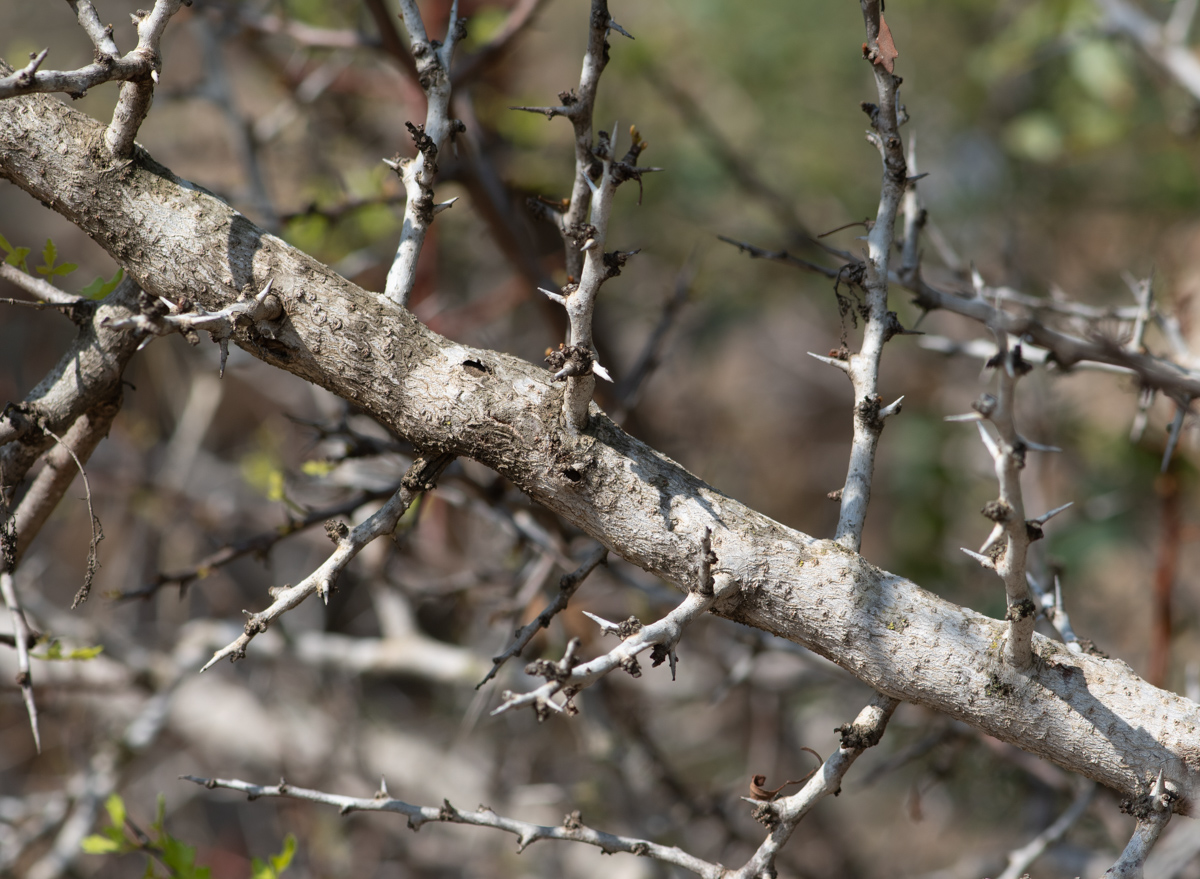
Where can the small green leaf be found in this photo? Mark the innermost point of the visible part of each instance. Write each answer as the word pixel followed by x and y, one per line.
pixel 178 856
pixel 14 256
pixel 318 468
pixel 100 288
pixel 17 258
pixel 101 845
pixel 115 807
pixel 65 269
pixel 55 652
pixel 282 860
pixel 49 254
pixel 275 486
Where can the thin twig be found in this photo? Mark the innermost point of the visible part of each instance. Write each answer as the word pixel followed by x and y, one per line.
pixel 629 389
pixel 881 325
pixel 1068 350
pixel 567 586
pixel 783 815
pixel 23 635
pixel 43 290
pixel 569 676
pixel 257 545
pixel 1020 859
pixel 418 173
pixel 420 477
pixel 97 532
pixel 1154 811
pixel 60 464
pixel 484 59
pixel 571 830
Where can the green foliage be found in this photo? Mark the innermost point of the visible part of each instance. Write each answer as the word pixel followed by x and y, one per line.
pixel 317 469
pixel 178 858
pixel 276 864
pixel 14 256
pixel 55 652
pixel 50 266
pixel 100 288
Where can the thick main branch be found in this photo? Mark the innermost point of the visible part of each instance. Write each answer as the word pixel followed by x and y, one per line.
pixel 1088 714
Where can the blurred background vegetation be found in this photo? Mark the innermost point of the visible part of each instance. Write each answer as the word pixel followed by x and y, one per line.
pixel 1058 160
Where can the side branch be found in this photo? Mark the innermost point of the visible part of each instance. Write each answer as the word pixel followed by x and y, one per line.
pixel 420 477
pixel 23 638
pixel 567 587
pixel 571 830
pixel 568 676
pixel 881 325
pixel 418 173
pixel 784 814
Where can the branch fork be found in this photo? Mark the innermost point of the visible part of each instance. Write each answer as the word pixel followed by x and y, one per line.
pixel 161 317
pixel 569 677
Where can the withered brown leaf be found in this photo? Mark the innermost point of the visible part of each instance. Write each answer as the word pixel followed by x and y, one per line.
pixel 886 56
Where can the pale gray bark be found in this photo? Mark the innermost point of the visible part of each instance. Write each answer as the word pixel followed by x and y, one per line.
pixel 433 73
pixel 1087 714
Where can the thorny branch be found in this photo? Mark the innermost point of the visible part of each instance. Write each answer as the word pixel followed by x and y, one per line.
pixel 136 94
pixel 567 586
pixel 874 718
pixel 598 173
pixel 186 317
pixel 421 477
pixel 1064 349
pixel 621 482
pixel 880 324
pixel 23 635
pixel 1153 811
pixel 578 106
pixel 418 173
pixel 784 814
pixel 258 545
pixel 1006 547
pixel 572 829
pixel 781 815
pixel 136 70
pixel 570 675
pixel 576 361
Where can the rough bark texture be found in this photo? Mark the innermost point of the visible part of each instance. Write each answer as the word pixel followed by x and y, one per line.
pixel 1087 714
